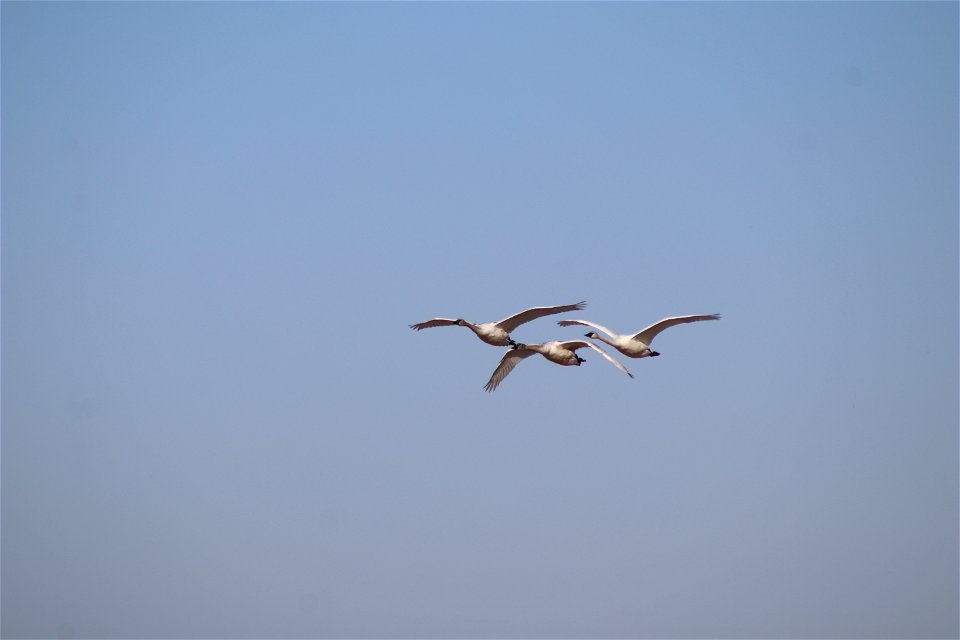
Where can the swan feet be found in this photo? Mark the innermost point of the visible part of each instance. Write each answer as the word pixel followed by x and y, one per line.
pixel 654 354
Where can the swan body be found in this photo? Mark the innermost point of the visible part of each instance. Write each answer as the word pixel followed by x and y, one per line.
pixel 562 353
pixel 498 333
pixel 637 345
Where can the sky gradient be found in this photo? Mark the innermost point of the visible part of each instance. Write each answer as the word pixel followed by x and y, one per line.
pixel 219 219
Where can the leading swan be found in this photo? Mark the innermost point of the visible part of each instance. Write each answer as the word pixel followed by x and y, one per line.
pixel 498 333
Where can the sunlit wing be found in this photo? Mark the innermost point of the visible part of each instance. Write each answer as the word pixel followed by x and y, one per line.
pixel 573 345
pixel 436 322
pixel 567 323
pixel 647 335
pixel 517 319
pixel 507 363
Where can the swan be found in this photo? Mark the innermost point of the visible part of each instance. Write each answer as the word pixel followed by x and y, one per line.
pixel 562 353
pixel 498 333
pixel 638 344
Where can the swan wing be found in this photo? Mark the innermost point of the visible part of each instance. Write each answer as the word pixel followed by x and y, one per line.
pixel 567 323
pixel 647 335
pixel 517 319
pixel 573 345
pixel 436 322
pixel 509 360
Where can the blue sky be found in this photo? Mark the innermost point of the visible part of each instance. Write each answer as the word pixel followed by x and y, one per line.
pixel 219 219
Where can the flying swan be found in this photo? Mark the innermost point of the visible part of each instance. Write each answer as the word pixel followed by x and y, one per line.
pixel 562 353
pixel 638 344
pixel 498 333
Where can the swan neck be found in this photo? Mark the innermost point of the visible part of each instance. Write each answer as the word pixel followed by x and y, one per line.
pixel 604 338
pixel 472 327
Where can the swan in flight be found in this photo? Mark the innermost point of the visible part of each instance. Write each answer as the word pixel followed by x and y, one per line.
pixel 563 353
pixel 638 344
pixel 498 333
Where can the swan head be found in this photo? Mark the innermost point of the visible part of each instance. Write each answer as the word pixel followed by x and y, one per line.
pixel 592 334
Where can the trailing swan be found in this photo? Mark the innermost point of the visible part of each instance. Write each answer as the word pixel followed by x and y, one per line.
pixel 562 353
pixel 638 344
pixel 498 333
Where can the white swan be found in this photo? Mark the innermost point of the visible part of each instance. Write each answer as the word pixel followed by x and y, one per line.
pixel 498 333
pixel 638 344
pixel 563 353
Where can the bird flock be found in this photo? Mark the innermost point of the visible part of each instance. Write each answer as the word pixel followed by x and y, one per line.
pixel 562 352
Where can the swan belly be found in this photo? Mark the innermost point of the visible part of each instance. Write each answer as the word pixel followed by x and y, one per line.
pixel 633 348
pixel 492 334
pixel 561 356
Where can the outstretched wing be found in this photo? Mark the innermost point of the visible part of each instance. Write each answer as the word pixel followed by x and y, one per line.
pixel 567 323
pixel 573 345
pixel 647 335
pixel 507 363
pixel 436 322
pixel 517 319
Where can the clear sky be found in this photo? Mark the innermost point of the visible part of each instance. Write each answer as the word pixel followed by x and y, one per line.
pixel 219 219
